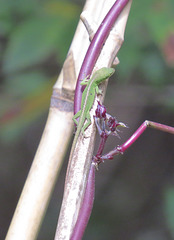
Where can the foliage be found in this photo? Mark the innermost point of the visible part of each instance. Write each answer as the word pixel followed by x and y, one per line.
pixel 169 208
pixel 33 35
pixel 147 41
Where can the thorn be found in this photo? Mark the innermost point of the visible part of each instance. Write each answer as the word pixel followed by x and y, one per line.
pixel 115 133
pixel 121 124
pixel 95 165
pixel 88 21
pixel 116 61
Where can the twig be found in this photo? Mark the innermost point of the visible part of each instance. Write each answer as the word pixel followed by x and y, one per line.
pixel 122 148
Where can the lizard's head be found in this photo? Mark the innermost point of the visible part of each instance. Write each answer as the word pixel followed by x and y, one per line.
pixel 104 73
pixel 109 71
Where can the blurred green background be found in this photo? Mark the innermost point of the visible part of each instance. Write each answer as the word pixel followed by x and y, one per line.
pixel 134 192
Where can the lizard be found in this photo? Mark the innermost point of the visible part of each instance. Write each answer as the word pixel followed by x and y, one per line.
pixel 88 97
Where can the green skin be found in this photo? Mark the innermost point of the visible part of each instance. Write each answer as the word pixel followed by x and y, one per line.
pixel 88 97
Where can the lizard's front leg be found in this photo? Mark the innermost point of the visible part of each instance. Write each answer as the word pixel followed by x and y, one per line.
pixel 84 81
pixel 98 91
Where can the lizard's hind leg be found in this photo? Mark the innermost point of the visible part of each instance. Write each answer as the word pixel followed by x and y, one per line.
pixel 76 116
pixel 86 125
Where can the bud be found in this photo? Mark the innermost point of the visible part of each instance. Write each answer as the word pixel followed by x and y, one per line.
pixel 100 111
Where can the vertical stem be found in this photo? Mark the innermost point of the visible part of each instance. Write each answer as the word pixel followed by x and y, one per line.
pixel 86 208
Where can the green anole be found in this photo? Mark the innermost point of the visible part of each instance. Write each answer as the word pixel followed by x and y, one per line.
pixel 88 97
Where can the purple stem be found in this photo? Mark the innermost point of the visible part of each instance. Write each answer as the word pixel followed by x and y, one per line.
pixel 86 208
pixel 95 48
pixel 133 138
pixel 160 126
pixel 141 129
pixel 102 144
pixel 122 148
